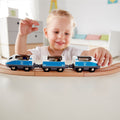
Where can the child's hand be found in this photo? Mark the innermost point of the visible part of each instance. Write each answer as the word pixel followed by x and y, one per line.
pixel 102 55
pixel 25 26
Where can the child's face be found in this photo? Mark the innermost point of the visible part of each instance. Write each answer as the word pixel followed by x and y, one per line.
pixel 59 32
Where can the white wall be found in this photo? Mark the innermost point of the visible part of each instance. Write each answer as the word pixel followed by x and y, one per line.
pixel 95 16
pixel 40 8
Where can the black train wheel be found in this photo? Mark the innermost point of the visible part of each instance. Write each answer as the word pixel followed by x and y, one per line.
pixel 46 69
pixel 79 69
pixel 91 69
pixel 60 69
pixel 13 68
pixel 26 69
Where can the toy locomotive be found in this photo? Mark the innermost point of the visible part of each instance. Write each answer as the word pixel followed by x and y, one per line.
pixel 23 62
pixel 26 63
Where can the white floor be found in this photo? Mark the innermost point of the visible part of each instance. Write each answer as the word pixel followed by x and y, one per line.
pixel 60 98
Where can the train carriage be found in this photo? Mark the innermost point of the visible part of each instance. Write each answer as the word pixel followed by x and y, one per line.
pixel 53 63
pixel 80 63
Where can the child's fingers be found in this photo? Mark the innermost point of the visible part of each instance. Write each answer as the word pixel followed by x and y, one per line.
pixel 107 56
pixel 101 58
pixel 110 60
pixel 32 22
pixel 28 21
pixel 98 55
pixel 24 22
pixel 34 29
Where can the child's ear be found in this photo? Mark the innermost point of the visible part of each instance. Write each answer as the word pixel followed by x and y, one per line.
pixel 45 32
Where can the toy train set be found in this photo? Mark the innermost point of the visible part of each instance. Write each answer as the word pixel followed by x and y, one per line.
pixel 26 63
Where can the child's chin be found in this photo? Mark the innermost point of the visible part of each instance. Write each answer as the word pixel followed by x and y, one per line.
pixel 59 48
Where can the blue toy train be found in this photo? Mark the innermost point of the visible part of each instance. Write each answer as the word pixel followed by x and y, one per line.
pixel 79 63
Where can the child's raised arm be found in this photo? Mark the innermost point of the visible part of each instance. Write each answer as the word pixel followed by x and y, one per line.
pixel 25 28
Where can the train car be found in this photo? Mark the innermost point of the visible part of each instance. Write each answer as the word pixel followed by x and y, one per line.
pixel 23 62
pixel 53 63
pixel 80 63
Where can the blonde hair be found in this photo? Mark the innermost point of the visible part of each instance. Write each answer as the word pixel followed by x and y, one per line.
pixel 61 13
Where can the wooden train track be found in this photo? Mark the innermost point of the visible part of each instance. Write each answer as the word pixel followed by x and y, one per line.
pixel 66 73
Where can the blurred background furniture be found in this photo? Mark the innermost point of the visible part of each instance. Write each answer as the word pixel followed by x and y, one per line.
pixel 114 43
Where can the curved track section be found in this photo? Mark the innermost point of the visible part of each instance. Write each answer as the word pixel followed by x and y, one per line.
pixel 66 73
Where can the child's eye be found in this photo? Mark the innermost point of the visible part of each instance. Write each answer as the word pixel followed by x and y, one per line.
pixel 66 33
pixel 56 32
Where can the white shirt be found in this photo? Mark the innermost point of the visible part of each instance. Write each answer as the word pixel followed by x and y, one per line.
pixel 68 53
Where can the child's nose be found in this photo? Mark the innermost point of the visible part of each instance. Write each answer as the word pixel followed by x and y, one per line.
pixel 61 35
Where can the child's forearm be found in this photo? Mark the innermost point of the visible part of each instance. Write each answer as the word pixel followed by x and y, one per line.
pixel 84 53
pixel 20 45
pixel 88 52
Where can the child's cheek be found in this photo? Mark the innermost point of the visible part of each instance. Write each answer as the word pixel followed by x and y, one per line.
pixel 68 39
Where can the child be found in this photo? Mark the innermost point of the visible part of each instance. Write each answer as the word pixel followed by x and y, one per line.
pixel 59 31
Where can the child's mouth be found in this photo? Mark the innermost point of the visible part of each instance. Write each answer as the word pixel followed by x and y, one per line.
pixel 60 43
